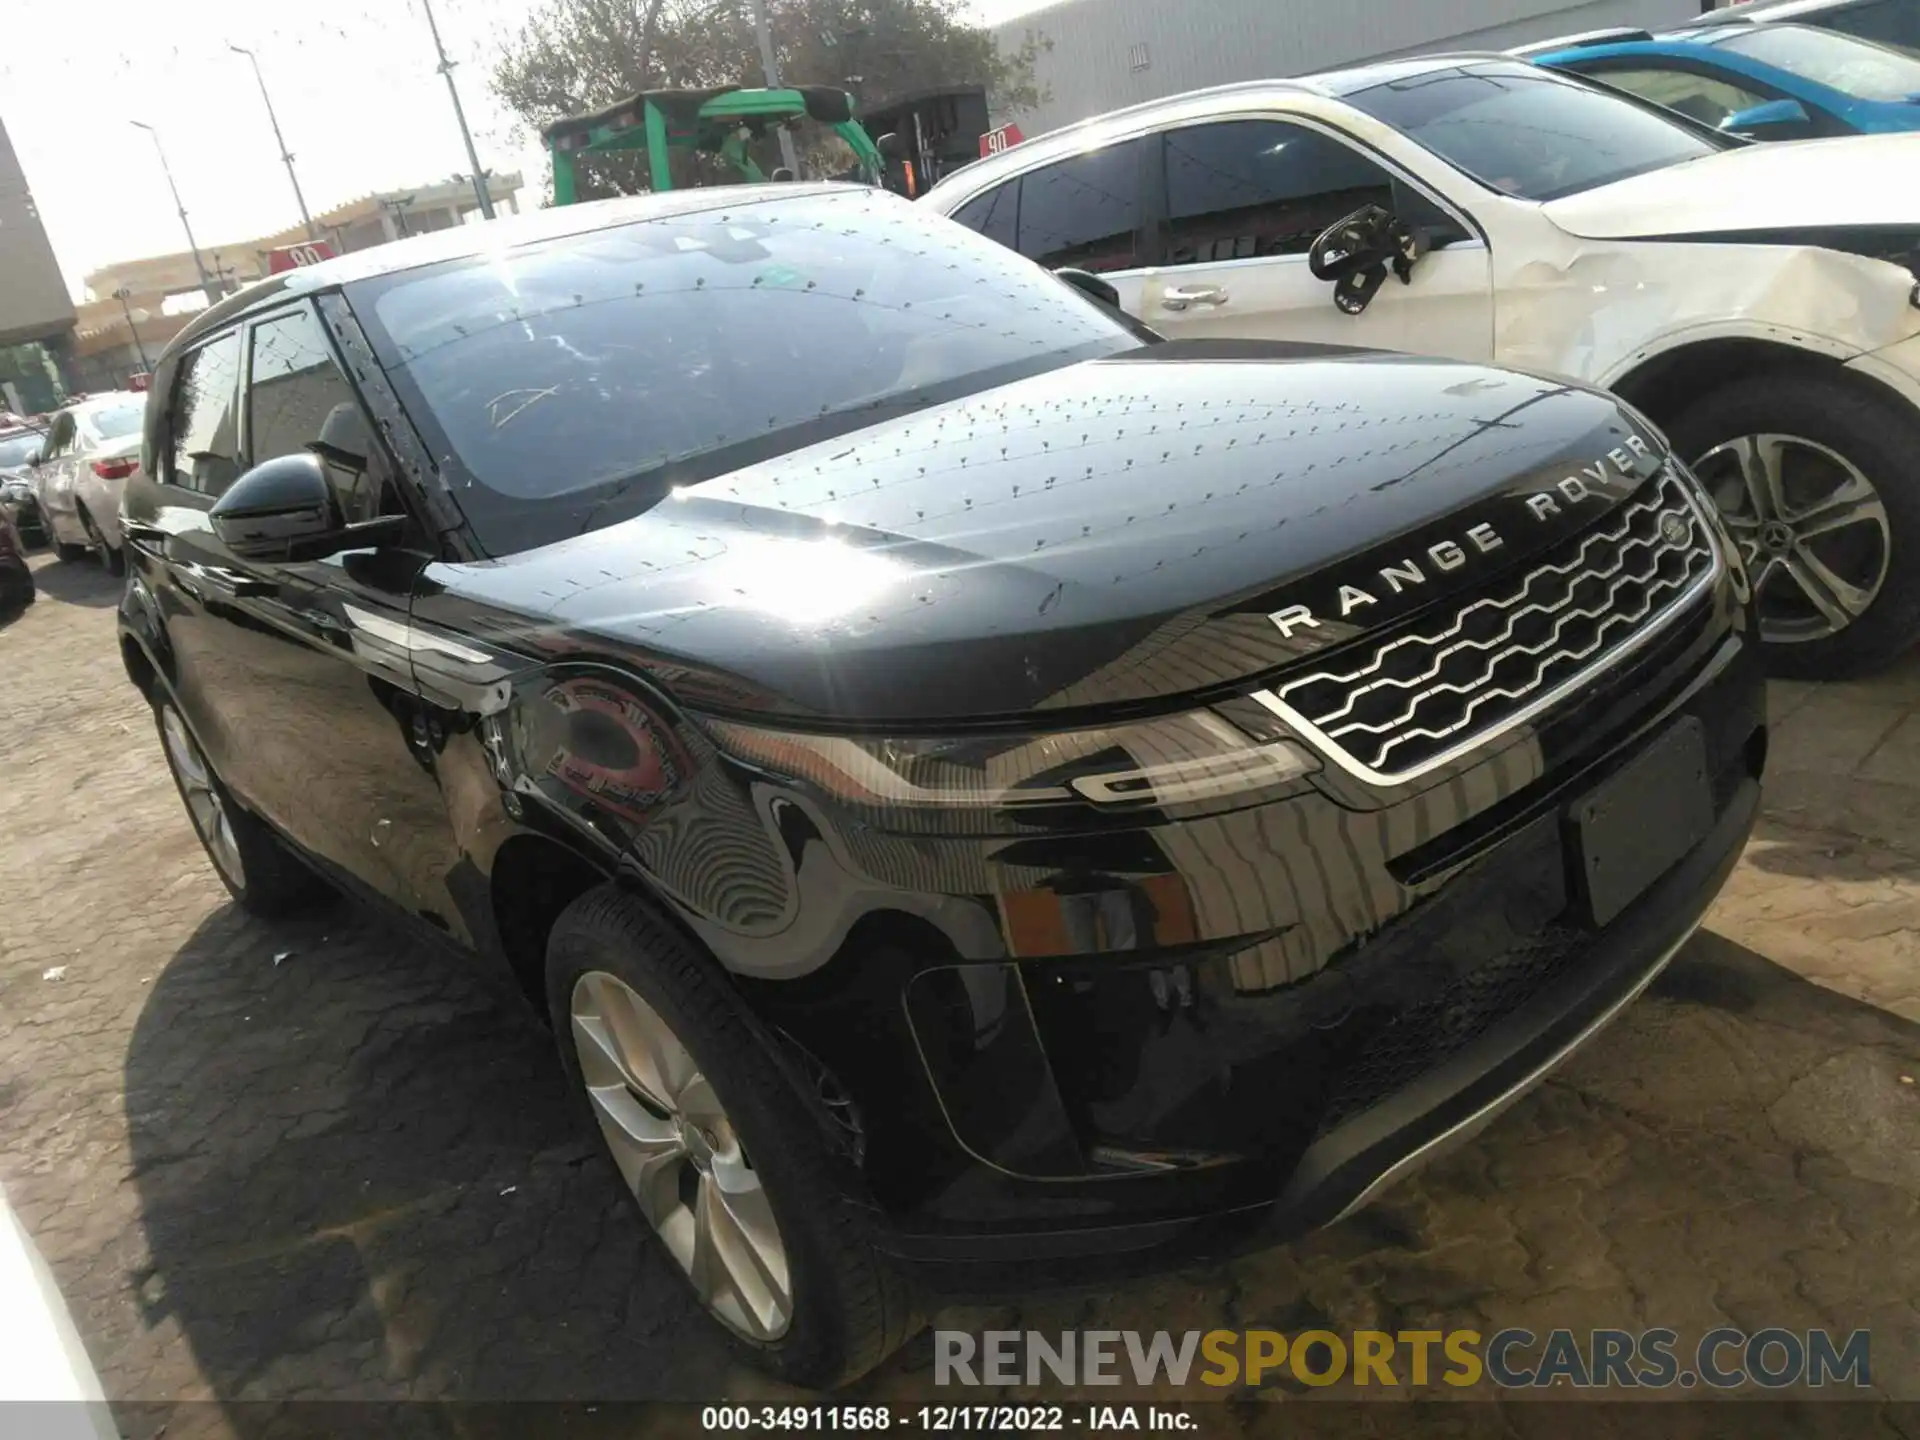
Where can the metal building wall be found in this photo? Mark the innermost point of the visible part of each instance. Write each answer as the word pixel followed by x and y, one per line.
pixel 1098 45
pixel 33 296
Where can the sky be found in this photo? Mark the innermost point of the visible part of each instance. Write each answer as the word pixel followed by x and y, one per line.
pixel 353 83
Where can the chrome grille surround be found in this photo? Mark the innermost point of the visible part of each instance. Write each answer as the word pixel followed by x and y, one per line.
pixel 1454 681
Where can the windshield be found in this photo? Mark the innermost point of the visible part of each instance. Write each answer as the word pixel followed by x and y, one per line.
pixel 1529 133
pixel 117 419
pixel 1853 67
pixel 577 381
pixel 17 450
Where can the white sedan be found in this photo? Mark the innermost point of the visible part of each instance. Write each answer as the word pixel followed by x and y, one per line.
pixel 91 450
pixel 1760 303
pixel 46 1381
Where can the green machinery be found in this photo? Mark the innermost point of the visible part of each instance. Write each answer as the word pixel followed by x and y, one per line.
pixel 720 122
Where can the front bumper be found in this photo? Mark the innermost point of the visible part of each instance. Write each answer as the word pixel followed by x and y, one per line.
pixel 1155 1074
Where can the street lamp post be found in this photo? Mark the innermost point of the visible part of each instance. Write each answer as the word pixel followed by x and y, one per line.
pixel 285 155
pixel 124 296
pixel 199 265
pixel 770 68
pixel 473 156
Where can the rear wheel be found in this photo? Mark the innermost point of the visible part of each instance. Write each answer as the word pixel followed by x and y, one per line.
pixel 68 554
pixel 1819 482
pixel 261 874
pixel 726 1162
pixel 111 560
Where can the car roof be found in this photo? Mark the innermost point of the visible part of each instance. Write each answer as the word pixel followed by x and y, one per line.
pixel 464 242
pixel 1328 84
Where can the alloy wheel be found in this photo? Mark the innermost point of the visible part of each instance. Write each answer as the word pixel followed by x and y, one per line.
pixel 205 805
pixel 681 1157
pixel 1811 528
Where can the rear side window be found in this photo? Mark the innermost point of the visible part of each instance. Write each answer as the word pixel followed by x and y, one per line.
pixel 203 417
pixel 1083 212
pixel 1706 98
pixel 1245 188
pixel 297 399
pixel 995 215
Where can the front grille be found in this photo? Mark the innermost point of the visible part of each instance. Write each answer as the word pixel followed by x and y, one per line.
pixel 1422 696
pixel 1429 1033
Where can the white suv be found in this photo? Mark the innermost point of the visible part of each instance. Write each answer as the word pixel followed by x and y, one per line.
pixel 1759 302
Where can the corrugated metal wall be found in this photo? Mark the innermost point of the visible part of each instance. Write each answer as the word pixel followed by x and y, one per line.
pixel 1110 53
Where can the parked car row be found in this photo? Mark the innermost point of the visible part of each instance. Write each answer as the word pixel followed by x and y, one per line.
pixel 61 482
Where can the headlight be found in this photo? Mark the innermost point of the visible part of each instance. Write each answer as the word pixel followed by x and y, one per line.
pixel 1194 759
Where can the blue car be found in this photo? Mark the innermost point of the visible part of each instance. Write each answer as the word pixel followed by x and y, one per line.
pixel 1769 82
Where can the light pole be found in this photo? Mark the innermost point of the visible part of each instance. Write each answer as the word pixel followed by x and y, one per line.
pixel 453 91
pixel 273 120
pixel 198 264
pixel 124 295
pixel 770 67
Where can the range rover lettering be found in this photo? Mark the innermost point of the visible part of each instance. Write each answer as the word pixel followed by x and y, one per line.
pixel 983 796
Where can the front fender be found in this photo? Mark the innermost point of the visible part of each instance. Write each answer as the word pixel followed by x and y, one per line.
pixel 1599 312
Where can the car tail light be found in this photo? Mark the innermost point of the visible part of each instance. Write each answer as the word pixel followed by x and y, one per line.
pixel 115 469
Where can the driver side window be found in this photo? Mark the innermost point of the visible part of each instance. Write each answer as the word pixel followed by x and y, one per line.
pixel 298 399
pixel 1242 189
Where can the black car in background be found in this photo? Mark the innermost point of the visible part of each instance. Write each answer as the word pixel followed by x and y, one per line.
pixel 981 795
pixel 17 589
pixel 18 502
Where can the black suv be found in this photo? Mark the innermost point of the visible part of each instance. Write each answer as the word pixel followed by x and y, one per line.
pixel 979 793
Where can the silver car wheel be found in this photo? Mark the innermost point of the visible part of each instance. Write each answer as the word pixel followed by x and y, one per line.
pixel 205 806
pixel 1811 527
pixel 681 1157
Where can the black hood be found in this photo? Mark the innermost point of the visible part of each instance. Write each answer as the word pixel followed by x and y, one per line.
pixel 1112 534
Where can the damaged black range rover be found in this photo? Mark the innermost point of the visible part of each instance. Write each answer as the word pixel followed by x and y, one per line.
pixel 978 792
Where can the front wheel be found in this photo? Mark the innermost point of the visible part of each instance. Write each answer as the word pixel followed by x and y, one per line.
pixel 726 1162
pixel 67 553
pixel 259 871
pixel 1818 480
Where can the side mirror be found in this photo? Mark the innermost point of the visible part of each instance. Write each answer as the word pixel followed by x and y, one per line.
pixel 1773 120
pixel 37 459
pixel 284 509
pixel 1357 251
pixel 1090 285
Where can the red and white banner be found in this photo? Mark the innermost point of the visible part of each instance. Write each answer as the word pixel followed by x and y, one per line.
pixel 1005 138
pixel 292 257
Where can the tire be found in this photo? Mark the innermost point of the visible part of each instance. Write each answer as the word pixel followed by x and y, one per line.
pixel 264 877
pixel 68 554
pixel 111 560
pixel 1812 428
pixel 848 1307
pixel 17 589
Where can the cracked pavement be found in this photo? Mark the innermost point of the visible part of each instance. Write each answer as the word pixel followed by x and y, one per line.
pixel 353 1174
